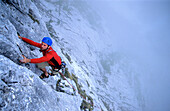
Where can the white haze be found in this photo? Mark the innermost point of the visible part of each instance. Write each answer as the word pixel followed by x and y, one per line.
pixel 141 29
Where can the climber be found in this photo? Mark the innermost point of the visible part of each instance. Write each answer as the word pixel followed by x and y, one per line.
pixel 50 57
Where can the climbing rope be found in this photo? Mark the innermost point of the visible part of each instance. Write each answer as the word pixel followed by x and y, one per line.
pixel 78 91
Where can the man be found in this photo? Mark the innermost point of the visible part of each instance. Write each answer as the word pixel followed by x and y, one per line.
pixel 50 57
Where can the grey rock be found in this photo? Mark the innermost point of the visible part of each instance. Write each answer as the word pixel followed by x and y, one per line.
pixel 23 90
pixel 74 40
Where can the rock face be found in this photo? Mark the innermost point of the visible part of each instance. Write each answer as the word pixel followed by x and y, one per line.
pixel 22 90
pixel 78 40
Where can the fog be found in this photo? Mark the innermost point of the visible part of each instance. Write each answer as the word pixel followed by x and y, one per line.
pixel 141 29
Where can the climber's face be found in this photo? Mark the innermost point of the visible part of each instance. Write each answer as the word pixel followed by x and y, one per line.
pixel 44 46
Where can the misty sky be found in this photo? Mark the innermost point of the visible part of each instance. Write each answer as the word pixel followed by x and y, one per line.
pixel 141 28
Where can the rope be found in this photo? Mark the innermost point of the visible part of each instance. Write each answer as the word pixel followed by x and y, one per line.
pixel 78 91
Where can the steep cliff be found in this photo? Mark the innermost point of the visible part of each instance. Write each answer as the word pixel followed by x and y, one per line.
pixel 79 38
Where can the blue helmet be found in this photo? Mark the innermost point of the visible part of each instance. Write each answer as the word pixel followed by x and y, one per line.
pixel 47 40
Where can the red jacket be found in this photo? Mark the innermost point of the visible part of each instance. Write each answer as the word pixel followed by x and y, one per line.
pixel 49 55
